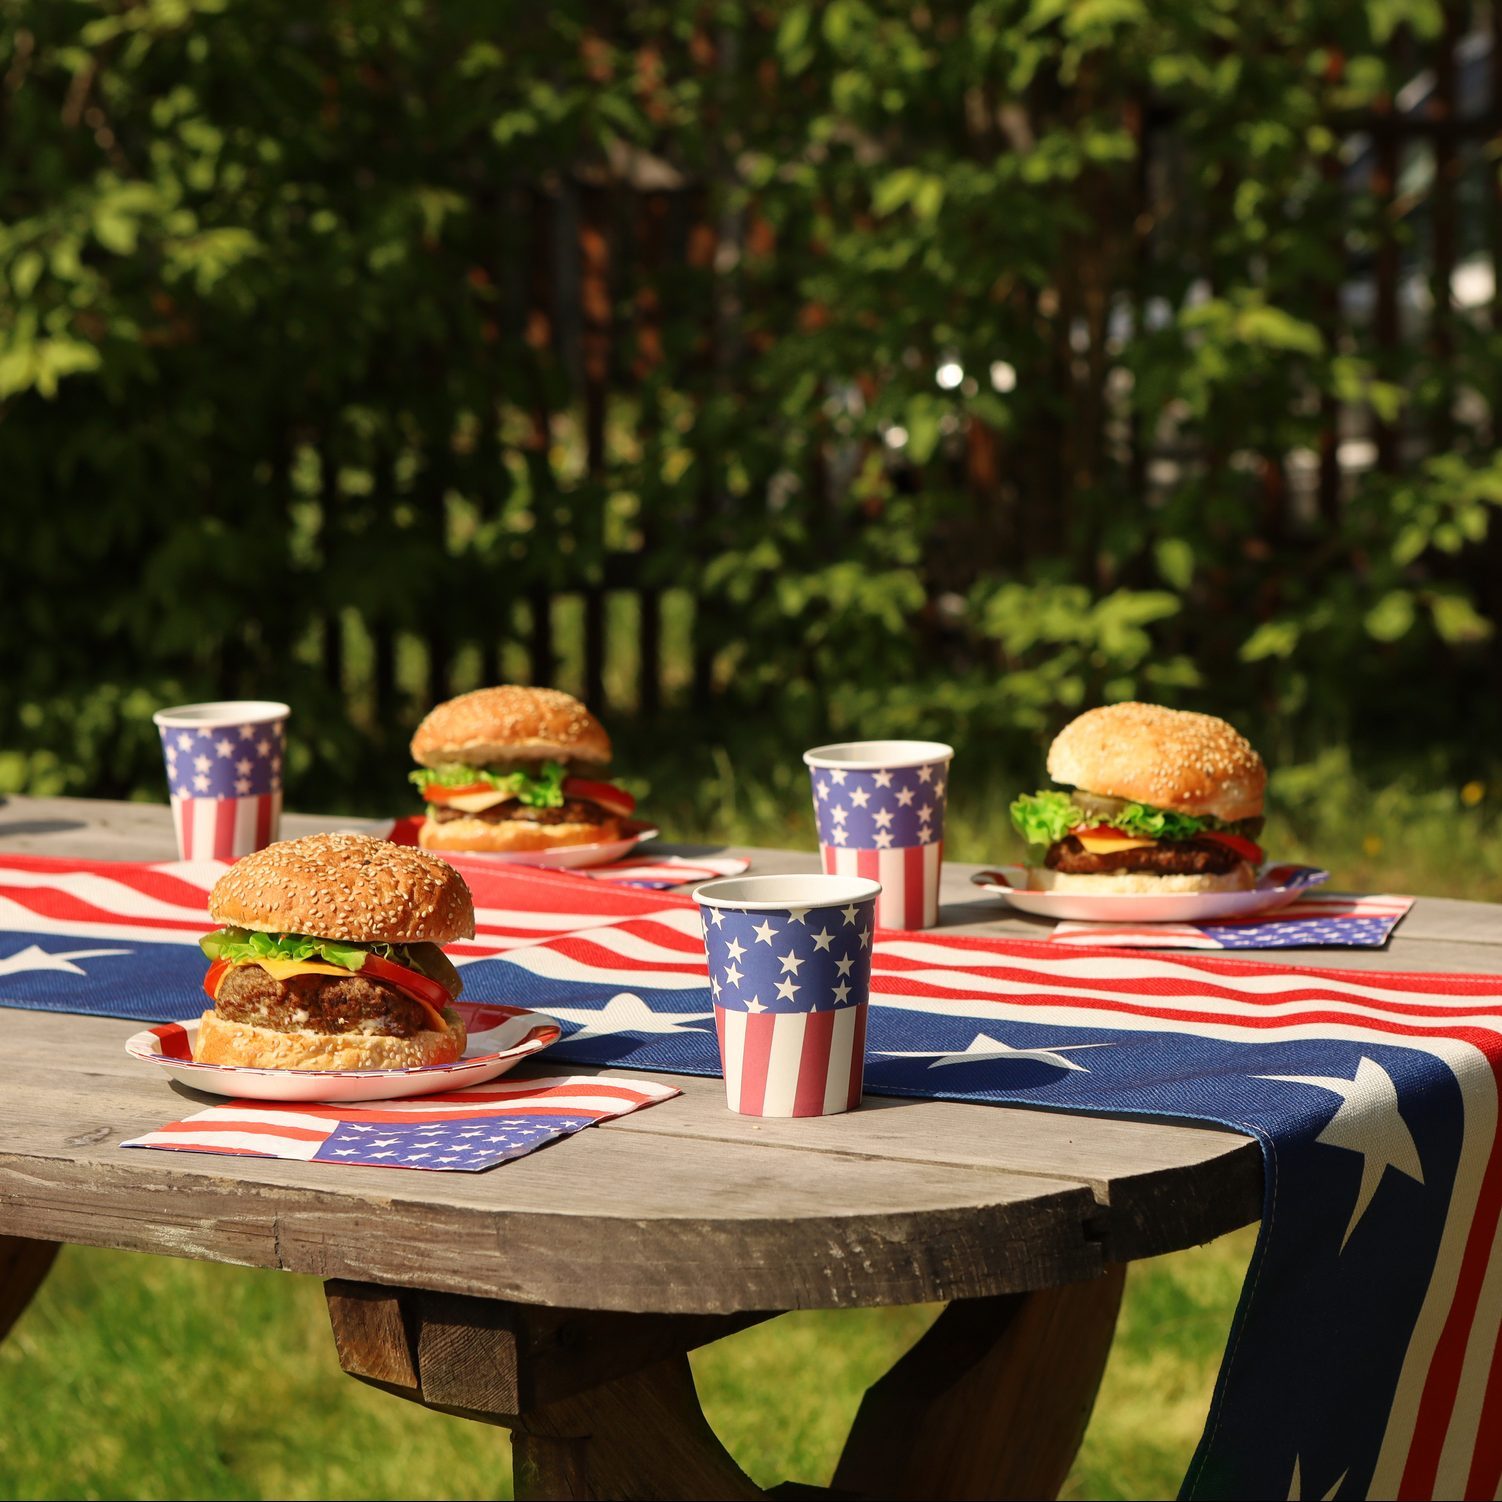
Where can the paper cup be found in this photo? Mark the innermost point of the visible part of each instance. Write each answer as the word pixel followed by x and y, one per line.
pixel 790 969
pixel 224 771
pixel 879 807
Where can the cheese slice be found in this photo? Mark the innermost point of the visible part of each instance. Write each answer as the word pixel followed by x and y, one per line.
pixel 1102 844
pixel 285 969
pixel 475 803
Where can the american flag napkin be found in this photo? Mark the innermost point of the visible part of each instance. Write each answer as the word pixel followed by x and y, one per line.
pixel 1337 920
pixel 463 1131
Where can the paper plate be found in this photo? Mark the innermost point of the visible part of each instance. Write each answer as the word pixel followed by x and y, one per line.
pixel 564 857
pixel 1276 887
pixel 499 1038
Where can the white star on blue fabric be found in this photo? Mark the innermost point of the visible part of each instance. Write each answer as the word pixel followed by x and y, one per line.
pixel 982 1049
pixel 1366 1122
pixel 35 958
pixel 623 1013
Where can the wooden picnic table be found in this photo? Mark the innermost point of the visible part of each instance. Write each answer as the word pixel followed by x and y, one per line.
pixel 559 1296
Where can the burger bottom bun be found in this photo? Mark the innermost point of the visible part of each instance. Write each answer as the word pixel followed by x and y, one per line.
pixel 222 1042
pixel 512 834
pixel 1240 878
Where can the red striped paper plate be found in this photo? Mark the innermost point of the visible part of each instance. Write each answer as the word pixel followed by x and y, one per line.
pixel 499 1039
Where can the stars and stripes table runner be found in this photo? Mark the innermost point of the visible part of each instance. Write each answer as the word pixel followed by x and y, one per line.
pixel 1330 920
pixel 1364 1357
pixel 461 1131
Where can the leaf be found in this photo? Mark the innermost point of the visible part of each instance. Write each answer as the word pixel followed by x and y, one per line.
pixel 1457 620
pixel 1392 617
pixel 1175 559
pixel 1270 639
pixel 25 271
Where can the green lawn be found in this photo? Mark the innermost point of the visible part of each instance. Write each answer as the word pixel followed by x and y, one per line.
pixel 148 1377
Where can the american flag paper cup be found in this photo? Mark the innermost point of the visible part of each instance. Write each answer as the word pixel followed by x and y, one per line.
pixel 224 771
pixel 790 972
pixel 879 807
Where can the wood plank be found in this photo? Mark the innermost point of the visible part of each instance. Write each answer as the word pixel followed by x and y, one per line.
pixel 24 1265
pixel 372 1335
pixel 642 1436
pixel 991 1402
pixel 496 1360
pixel 1162 1188
pixel 608 1220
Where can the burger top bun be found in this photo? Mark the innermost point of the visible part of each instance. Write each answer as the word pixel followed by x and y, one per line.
pixel 346 886
pixel 1169 758
pixel 510 723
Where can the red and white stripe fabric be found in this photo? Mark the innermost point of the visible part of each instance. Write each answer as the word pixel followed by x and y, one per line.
pixel 223 829
pixel 792 1063
pixel 909 880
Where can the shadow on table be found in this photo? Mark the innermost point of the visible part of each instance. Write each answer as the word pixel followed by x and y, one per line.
pixel 19 828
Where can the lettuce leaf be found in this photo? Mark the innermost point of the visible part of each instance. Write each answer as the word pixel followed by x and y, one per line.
pixel 245 946
pixel 545 790
pixel 242 945
pixel 1048 815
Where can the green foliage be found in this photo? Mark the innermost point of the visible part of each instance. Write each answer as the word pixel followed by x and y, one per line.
pixel 961 366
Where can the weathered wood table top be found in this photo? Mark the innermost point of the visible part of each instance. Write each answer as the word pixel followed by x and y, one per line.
pixel 682 1208
pixel 677 1223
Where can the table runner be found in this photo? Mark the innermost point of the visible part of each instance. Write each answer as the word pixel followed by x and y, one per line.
pixel 1363 1358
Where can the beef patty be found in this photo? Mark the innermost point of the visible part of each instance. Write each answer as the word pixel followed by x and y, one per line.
pixel 1168 858
pixel 321 1003
pixel 575 811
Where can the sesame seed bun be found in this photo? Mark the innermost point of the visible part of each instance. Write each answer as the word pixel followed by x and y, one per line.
pixel 345 886
pixel 220 1041
pixel 1240 878
pixel 512 834
pixel 1169 758
pixel 507 724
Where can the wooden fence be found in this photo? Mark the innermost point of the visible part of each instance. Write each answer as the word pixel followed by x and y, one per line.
pixel 582 287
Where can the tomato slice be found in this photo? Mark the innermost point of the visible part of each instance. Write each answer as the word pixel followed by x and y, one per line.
pixel 606 794
pixel 436 793
pixel 1103 832
pixel 427 993
pixel 214 976
pixel 1249 852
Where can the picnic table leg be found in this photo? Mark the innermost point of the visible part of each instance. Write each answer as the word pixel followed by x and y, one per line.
pixel 991 1402
pixel 600 1405
pixel 24 1263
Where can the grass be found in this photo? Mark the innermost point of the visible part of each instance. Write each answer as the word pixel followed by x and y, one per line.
pixel 148 1377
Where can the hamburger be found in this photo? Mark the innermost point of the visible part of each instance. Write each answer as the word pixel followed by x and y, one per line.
pixel 1155 800
pixel 328 957
pixel 497 769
